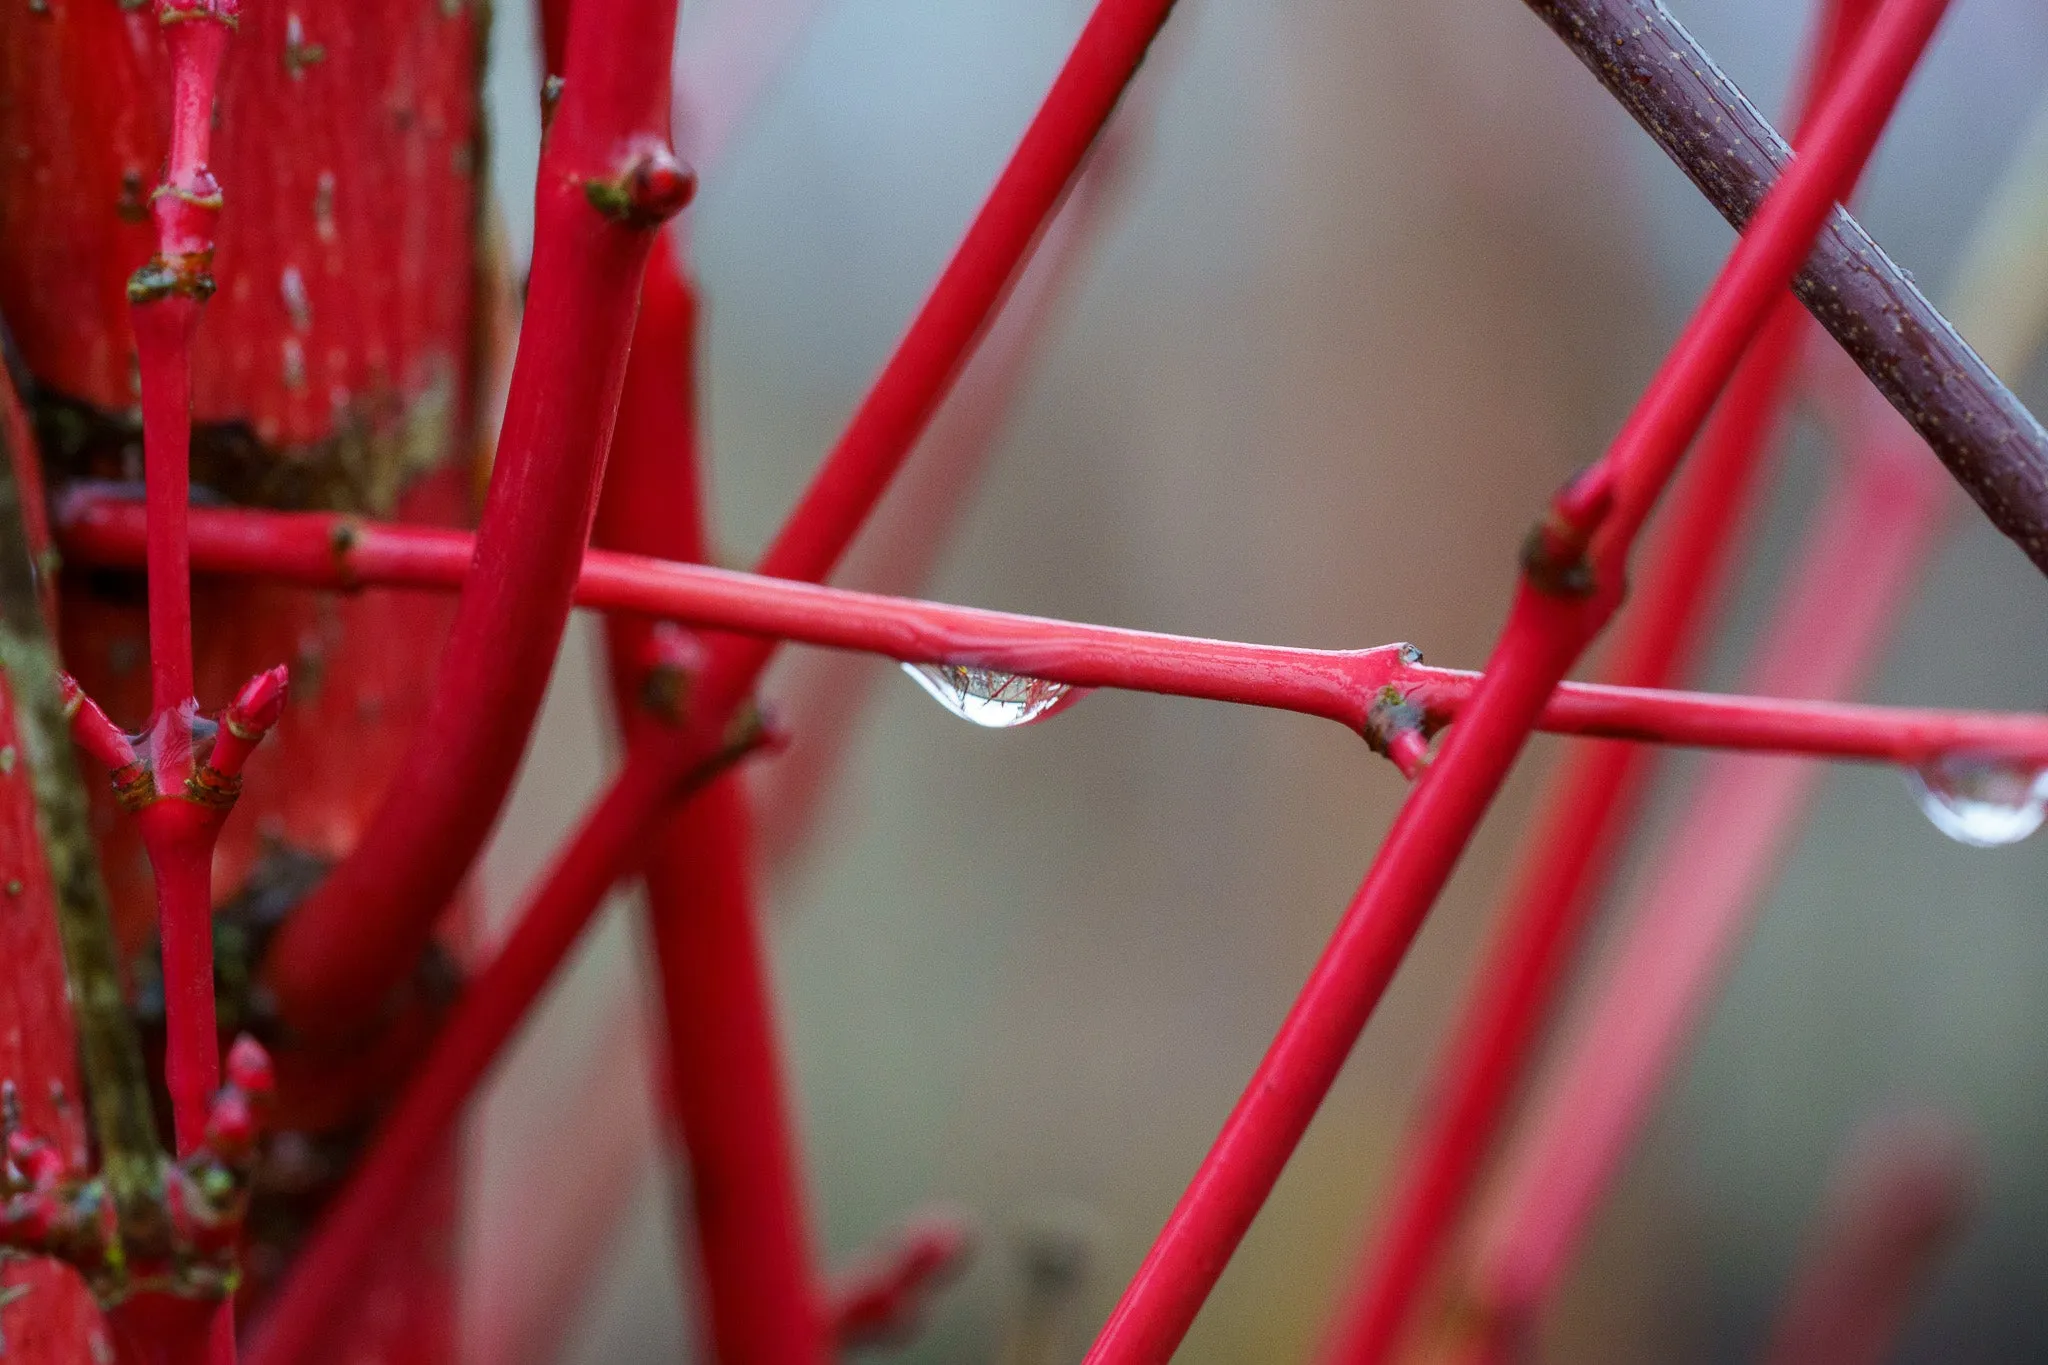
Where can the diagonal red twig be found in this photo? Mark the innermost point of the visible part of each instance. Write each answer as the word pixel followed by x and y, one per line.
pixel 1569 855
pixel 1571 584
pixel 819 698
pixel 1684 927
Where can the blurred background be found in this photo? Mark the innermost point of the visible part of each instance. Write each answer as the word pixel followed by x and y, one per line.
pixel 1377 278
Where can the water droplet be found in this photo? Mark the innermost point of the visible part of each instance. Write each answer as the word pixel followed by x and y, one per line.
pixel 991 697
pixel 1410 654
pixel 1983 802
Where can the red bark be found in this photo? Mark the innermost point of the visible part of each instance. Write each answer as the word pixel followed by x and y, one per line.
pixel 334 368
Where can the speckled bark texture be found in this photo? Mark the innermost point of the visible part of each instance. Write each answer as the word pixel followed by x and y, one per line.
pixel 337 367
pixel 1986 437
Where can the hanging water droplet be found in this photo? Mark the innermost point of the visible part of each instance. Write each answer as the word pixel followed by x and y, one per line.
pixel 993 698
pixel 1984 802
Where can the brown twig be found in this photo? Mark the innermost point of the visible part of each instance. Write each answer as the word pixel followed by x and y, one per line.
pixel 1990 442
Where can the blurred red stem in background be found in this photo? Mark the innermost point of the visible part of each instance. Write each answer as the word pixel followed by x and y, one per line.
pixel 722 1057
pixel 1899 1197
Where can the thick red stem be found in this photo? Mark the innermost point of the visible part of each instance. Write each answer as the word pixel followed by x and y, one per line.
pixel 607 179
pixel 1572 585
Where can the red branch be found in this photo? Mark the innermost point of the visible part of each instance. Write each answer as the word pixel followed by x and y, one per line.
pixel 323 550
pixel 164 298
pixel 722 1060
pixel 1571 585
pixel 179 833
pixel 607 179
pixel 1569 855
pixel 879 1301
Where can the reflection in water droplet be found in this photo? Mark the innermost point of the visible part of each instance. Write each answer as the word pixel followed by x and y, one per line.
pixel 1984 802
pixel 993 698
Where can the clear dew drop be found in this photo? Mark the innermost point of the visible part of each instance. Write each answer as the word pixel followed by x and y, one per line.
pixel 1983 802
pixel 990 697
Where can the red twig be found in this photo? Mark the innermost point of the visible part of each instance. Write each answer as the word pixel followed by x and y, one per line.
pixel 1899 1197
pixel 879 1301
pixel 722 1058
pixel 164 299
pixel 607 179
pixel 1570 586
pixel 1687 922
pixel 1569 855
pixel 317 549
pixel 725 1078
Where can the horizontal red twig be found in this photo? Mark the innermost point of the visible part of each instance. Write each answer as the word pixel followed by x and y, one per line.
pixel 323 550
pixel 1571 585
